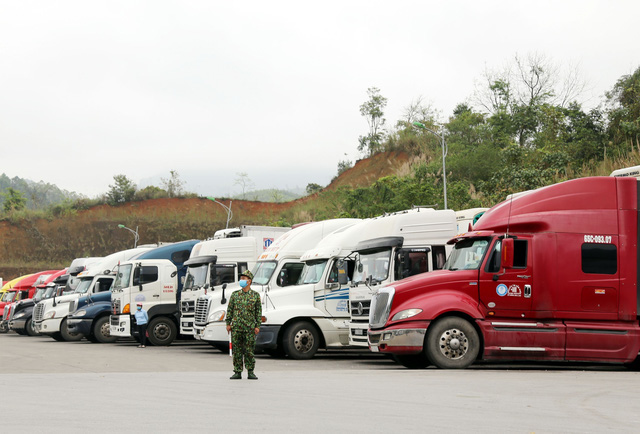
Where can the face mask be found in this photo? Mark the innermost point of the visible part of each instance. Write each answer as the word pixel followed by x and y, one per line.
pixel 139 307
pixel 243 283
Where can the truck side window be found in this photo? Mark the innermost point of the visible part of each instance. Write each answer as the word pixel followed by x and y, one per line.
pixel 103 285
pixel 599 259
pixel 147 274
pixel 290 273
pixel 520 254
pixel 224 275
pixel 493 264
pixel 438 257
pixel 242 267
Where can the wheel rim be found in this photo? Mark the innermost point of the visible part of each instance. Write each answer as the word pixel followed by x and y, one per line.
pixel 453 344
pixel 104 330
pixel 32 328
pixel 303 341
pixel 161 332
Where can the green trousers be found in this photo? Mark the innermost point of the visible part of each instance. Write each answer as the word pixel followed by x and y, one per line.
pixel 243 344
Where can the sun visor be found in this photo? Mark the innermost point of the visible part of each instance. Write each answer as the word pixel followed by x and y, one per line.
pixel 201 260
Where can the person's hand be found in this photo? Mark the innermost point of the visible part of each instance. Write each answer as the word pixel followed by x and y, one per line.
pixel 228 328
pixel 257 330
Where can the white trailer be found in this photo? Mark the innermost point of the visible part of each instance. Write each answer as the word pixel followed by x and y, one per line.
pixel 221 260
pixel 49 316
pixel 398 245
pixel 468 217
pixel 290 314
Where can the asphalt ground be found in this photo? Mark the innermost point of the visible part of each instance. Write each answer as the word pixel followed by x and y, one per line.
pixel 71 387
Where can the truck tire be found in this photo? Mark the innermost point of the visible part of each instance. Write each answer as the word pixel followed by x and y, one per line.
pixel 452 343
pixel 222 348
pixel 412 361
pixel 57 337
pixel 301 340
pixel 100 331
pixel 64 332
pixel 29 328
pixel 4 328
pixel 162 331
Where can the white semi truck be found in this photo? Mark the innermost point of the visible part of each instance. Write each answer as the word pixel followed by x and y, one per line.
pixel 395 246
pixel 49 316
pixel 468 217
pixel 291 316
pixel 221 260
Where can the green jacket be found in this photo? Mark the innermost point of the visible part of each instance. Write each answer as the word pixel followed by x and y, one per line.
pixel 245 310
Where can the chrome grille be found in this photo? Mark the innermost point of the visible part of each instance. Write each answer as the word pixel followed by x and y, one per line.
pixel 38 312
pixel 202 311
pixel 360 311
pixel 115 307
pixel 12 312
pixel 380 307
pixel 72 306
pixel 5 312
pixel 187 306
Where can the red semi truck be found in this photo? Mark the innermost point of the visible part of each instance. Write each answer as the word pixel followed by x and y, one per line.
pixel 547 275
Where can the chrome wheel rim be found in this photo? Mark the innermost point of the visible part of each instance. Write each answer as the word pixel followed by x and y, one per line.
pixel 303 341
pixel 453 344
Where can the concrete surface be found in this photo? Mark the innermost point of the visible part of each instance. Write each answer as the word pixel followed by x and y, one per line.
pixel 78 387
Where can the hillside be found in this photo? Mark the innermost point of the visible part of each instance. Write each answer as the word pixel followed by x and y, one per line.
pixel 32 244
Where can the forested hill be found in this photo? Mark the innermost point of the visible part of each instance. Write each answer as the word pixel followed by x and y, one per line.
pixel 38 195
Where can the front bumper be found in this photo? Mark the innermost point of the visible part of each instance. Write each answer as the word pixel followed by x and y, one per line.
pixel 49 326
pixel 120 325
pixel 80 325
pixel 267 339
pixel 18 324
pixel 216 333
pixel 358 334
pixel 186 325
pixel 399 339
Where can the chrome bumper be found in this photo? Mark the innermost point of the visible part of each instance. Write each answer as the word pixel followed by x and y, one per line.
pixel 381 340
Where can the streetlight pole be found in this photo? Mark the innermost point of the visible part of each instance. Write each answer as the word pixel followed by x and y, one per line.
pixel 444 155
pixel 227 208
pixel 136 237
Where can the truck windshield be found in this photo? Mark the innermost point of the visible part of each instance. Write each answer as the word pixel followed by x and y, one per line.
pixel 8 296
pixel 123 278
pixel 467 254
pixel 49 292
pixel 39 293
pixel 373 264
pixel 196 276
pixel 263 272
pixel 312 272
pixel 83 286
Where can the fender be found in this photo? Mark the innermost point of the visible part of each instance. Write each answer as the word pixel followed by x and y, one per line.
pixel 281 316
pixel 170 310
pixel 95 309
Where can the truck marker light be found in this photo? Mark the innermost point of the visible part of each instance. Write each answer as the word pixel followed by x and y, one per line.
pixel 491 313
pixel 127 308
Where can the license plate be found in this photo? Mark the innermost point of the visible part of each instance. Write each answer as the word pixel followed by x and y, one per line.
pixel 374 349
pixel 359 332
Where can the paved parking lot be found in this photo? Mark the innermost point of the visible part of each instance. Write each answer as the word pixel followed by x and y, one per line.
pixel 53 386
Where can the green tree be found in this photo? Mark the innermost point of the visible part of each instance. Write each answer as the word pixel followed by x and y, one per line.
pixel 313 188
pixel 13 200
pixel 123 190
pixel 151 192
pixel 373 111
pixel 624 111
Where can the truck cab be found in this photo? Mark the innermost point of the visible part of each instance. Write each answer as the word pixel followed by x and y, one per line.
pixel 392 247
pixel 548 275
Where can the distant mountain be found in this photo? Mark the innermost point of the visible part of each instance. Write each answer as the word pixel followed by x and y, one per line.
pixel 39 195
pixel 269 195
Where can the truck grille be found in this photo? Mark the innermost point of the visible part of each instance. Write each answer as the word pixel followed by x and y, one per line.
pixel 113 320
pixel 381 306
pixel 202 311
pixel 360 310
pixel 115 307
pixel 38 312
pixel 187 306
pixel 12 312
pixel 5 312
pixel 72 306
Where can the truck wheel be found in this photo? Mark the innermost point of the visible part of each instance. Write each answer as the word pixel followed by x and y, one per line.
pixel 4 328
pixel 162 331
pixel 301 340
pixel 452 343
pixel 64 332
pixel 221 348
pixel 100 331
pixel 29 328
pixel 57 337
pixel 412 361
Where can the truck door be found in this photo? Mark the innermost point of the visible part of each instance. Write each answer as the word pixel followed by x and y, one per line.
pixel 147 287
pixel 330 296
pixel 507 292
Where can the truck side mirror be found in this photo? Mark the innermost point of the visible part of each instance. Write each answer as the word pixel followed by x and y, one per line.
pixel 507 253
pixel 343 272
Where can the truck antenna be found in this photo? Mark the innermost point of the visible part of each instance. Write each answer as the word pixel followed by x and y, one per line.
pixel 509 217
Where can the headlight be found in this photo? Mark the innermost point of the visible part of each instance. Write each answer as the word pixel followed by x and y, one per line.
pixel 81 312
pixel 404 314
pixel 217 316
pixel 50 314
pixel 20 315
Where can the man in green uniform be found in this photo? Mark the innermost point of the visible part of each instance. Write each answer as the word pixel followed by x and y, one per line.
pixel 244 316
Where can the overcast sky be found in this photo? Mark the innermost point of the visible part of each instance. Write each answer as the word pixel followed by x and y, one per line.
pixel 90 89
